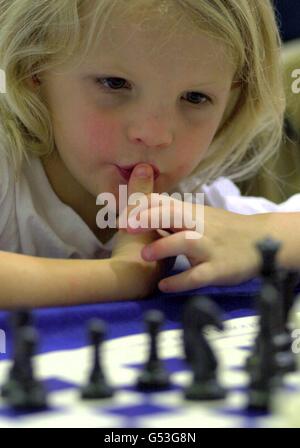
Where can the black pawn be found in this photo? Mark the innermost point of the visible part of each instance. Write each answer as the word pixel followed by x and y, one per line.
pixel 154 376
pixel 18 320
pixel 284 340
pixel 97 386
pixel 271 363
pixel 21 318
pixel 268 249
pixel 289 281
pixel 24 390
pixel 270 274
pixel 201 312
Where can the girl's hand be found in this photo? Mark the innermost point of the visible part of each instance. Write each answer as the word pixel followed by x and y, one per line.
pixel 225 254
pixel 139 276
pixel 128 246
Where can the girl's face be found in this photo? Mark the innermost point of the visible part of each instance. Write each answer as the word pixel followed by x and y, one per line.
pixel 137 98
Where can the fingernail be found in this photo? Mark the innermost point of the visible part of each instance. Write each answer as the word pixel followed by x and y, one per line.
pixel 143 171
pixel 148 253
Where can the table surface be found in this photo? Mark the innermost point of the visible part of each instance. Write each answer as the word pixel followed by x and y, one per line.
pixel 64 354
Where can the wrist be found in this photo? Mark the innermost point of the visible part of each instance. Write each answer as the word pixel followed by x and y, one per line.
pixel 135 279
pixel 284 228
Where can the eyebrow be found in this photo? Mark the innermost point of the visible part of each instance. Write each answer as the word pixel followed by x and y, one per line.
pixel 201 84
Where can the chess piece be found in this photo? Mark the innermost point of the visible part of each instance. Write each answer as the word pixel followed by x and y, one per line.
pixel 23 390
pixel 268 249
pixel 271 273
pixel 19 319
pixel 289 281
pixel 97 386
pixel 285 282
pixel 154 376
pixel 200 313
pixel 270 363
pixel 282 338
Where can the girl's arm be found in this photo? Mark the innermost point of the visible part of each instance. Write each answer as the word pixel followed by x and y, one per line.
pixel 28 281
pixel 286 228
pixel 36 281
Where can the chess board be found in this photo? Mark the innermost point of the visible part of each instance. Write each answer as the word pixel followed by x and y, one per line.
pixel 65 371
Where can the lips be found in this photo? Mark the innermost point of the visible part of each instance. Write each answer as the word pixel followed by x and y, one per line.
pixel 126 171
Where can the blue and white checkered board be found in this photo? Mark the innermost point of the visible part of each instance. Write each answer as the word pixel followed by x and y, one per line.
pixel 64 371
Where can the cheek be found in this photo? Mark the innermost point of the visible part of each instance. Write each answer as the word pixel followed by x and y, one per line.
pixel 191 150
pixel 197 142
pixel 102 135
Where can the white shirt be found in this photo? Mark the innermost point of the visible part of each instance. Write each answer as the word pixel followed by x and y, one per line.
pixel 34 221
pixel 223 193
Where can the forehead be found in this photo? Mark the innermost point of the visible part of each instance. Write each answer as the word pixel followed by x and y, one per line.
pixel 159 40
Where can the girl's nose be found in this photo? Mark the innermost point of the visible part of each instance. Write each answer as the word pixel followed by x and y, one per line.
pixel 152 132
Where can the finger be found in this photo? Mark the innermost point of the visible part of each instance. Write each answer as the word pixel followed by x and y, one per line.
pixel 163 232
pixel 141 179
pixel 162 200
pixel 140 184
pixel 172 216
pixel 177 244
pixel 146 219
pixel 196 277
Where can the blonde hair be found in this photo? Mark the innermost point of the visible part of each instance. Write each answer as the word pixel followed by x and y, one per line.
pixel 38 36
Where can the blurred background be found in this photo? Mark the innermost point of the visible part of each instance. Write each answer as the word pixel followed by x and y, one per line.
pixel 279 178
pixel 288 12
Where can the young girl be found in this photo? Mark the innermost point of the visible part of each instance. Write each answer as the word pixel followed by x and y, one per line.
pixel 189 90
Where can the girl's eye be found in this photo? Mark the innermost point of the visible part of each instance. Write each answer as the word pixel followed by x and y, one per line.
pixel 197 98
pixel 112 83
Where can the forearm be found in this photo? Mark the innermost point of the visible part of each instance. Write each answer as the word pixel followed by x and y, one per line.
pixel 37 282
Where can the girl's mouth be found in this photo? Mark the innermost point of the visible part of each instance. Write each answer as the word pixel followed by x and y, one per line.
pixel 126 171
